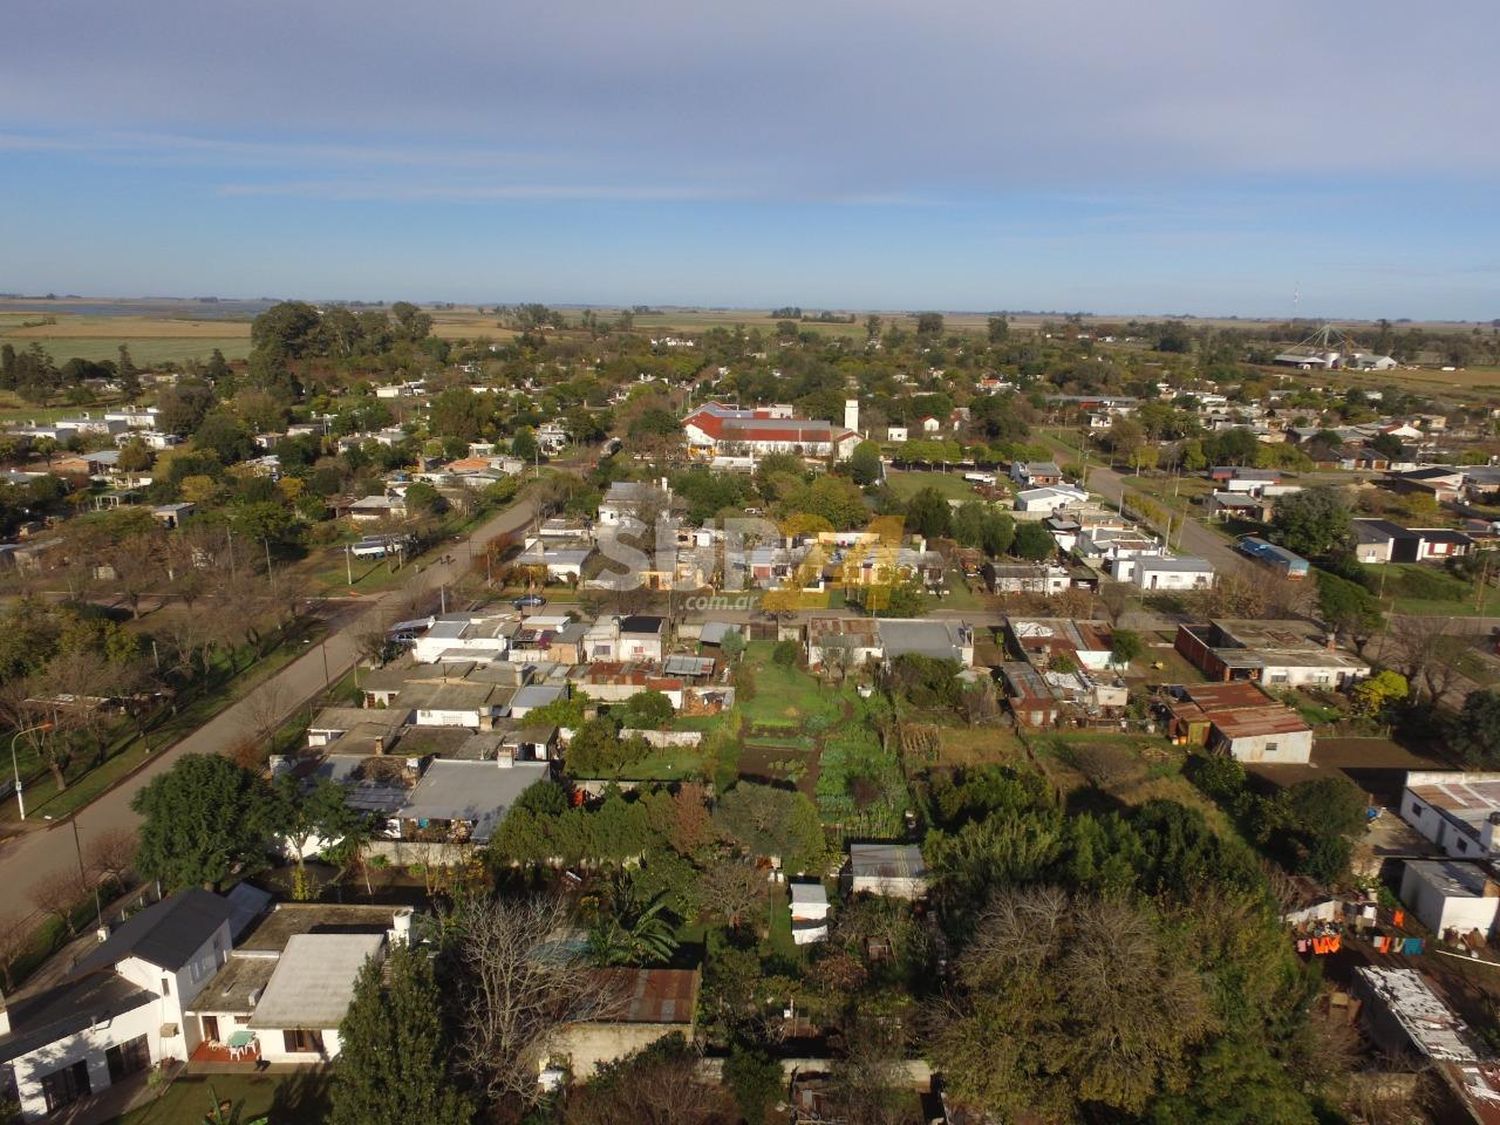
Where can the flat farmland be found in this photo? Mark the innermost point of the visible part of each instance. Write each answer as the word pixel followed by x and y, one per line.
pixel 151 340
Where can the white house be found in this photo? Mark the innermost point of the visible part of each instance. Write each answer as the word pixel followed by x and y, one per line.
pixel 1182 573
pixel 896 434
pixel 1050 498
pixel 718 429
pixel 119 1011
pixel 1457 810
pixel 627 499
pixel 283 992
pixel 1447 895
pixel 474 638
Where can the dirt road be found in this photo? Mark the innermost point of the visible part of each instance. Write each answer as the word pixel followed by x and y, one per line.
pixel 49 853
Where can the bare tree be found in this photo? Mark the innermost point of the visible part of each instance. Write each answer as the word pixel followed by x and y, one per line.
pixel 733 889
pixel 1421 649
pixel 57 896
pixel 137 565
pixel 517 991
pixel 25 711
pixel 14 938
pixel 1115 596
pixel 110 854
pixel 81 684
pixel 265 709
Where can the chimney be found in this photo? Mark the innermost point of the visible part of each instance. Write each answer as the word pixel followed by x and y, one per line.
pixel 851 414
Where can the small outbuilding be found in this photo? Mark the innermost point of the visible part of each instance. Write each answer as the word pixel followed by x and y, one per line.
pixel 1448 894
pixel 893 870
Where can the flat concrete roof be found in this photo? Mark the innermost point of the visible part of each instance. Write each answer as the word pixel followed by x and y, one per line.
pixel 313 983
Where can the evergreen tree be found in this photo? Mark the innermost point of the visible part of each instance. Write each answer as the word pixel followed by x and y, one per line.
pixel 392 1068
pixel 130 378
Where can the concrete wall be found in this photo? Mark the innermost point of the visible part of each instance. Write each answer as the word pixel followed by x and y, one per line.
pixel 88 1045
pixel 588 1046
pixel 405 853
pixel 273 1047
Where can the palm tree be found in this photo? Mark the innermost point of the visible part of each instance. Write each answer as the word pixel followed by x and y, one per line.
pixel 621 939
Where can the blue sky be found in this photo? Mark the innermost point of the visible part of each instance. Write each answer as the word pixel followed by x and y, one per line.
pixel 1178 156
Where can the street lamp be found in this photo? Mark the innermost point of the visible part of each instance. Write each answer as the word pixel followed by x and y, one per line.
pixel 15 767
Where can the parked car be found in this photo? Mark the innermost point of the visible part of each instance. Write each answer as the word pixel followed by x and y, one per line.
pixel 529 601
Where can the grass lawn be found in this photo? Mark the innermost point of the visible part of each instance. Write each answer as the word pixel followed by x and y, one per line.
pixel 787 698
pixel 780 941
pixel 289 1099
pixel 670 763
pixel 959 595
pixel 952 486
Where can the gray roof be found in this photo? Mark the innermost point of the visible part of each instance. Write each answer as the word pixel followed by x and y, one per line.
pixel 887 861
pixel 714 632
pixel 939 640
pixel 246 903
pixel 1185 564
pixel 314 980
pixel 537 695
pixel 478 792
pixel 1453 879
pixel 166 934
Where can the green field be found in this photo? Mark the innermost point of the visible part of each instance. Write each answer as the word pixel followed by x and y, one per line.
pixel 952 486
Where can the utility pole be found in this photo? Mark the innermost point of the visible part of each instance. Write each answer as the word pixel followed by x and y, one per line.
pixel 83 875
pixel 348 564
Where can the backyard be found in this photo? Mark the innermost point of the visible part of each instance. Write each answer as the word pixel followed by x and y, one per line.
pixel 951 486
pixel 284 1099
pixel 822 739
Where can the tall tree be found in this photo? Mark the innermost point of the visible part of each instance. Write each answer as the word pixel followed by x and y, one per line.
pixel 204 819
pixel 928 514
pixel 393 1062
pixel 1312 522
pixel 1065 1000
pixel 517 989
pixel 130 378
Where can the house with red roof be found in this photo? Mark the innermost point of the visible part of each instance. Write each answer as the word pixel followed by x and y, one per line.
pixel 718 430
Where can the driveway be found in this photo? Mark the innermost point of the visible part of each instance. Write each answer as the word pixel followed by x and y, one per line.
pixel 48 853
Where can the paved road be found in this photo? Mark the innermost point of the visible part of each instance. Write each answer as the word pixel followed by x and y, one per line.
pixel 1192 539
pixel 27 859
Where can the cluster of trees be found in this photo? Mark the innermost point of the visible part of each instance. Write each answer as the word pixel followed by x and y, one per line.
pixel 1105 966
pixel 36 377
pixel 209 819
pixel 597 749
pixel 662 830
pixel 1308 827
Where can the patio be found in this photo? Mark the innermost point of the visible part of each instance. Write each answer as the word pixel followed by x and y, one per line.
pixel 241 1047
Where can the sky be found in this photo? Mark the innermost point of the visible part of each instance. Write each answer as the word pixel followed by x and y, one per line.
pixel 1324 158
